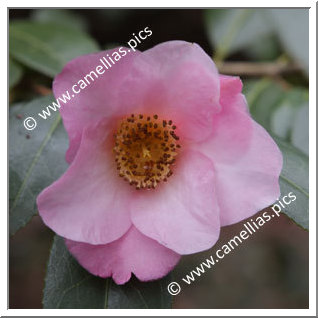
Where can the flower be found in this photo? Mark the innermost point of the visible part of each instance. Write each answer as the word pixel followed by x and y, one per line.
pixel 163 152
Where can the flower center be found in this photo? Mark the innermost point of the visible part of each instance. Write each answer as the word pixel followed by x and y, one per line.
pixel 145 150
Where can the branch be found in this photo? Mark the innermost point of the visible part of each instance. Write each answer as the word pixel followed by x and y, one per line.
pixel 42 90
pixel 258 69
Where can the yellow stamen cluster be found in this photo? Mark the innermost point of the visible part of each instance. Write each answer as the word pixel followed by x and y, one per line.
pixel 145 150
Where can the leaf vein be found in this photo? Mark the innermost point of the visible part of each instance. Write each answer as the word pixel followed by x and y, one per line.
pixel 35 160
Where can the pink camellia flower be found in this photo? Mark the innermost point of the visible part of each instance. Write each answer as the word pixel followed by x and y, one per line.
pixel 163 152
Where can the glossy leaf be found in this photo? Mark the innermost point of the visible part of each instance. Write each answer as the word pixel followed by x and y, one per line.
pixel 15 73
pixel 277 111
pixel 36 159
pixel 264 97
pixel 68 285
pixel 284 113
pixel 47 47
pixel 292 28
pixel 259 32
pixel 282 119
pixel 230 30
pixel 60 16
pixel 294 178
pixel 300 132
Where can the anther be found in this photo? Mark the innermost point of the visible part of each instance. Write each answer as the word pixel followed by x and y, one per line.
pixel 145 150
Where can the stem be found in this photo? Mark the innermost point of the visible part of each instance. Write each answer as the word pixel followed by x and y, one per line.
pixel 271 69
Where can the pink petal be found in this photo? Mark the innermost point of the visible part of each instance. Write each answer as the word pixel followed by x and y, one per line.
pixel 176 79
pixel 231 86
pixel 182 214
pixel 132 253
pixel 181 83
pixel 247 161
pixel 102 98
pixel 89 203
pixel 231 129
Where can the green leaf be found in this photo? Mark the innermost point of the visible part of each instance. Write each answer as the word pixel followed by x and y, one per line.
pixel 15 73
pixel 36 159
pixel 284 117
pixel 231 30
pixel 294 178
pixel 263 97
pixel 47 47
pixel 277 111
pixel 291 123
pixel 292 28
pixel 300 131
pixel 281 120
pixel 265 48
pixel 259 32
pixel 60 16
pixel 284 113
pixel 68 285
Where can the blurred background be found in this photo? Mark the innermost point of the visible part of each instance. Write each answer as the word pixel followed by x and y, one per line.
pixel 268 49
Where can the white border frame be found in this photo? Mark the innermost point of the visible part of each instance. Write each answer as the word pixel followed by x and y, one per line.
pixel 312 162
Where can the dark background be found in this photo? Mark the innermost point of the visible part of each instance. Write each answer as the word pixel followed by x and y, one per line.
pixel 117 26
pixel 269 270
